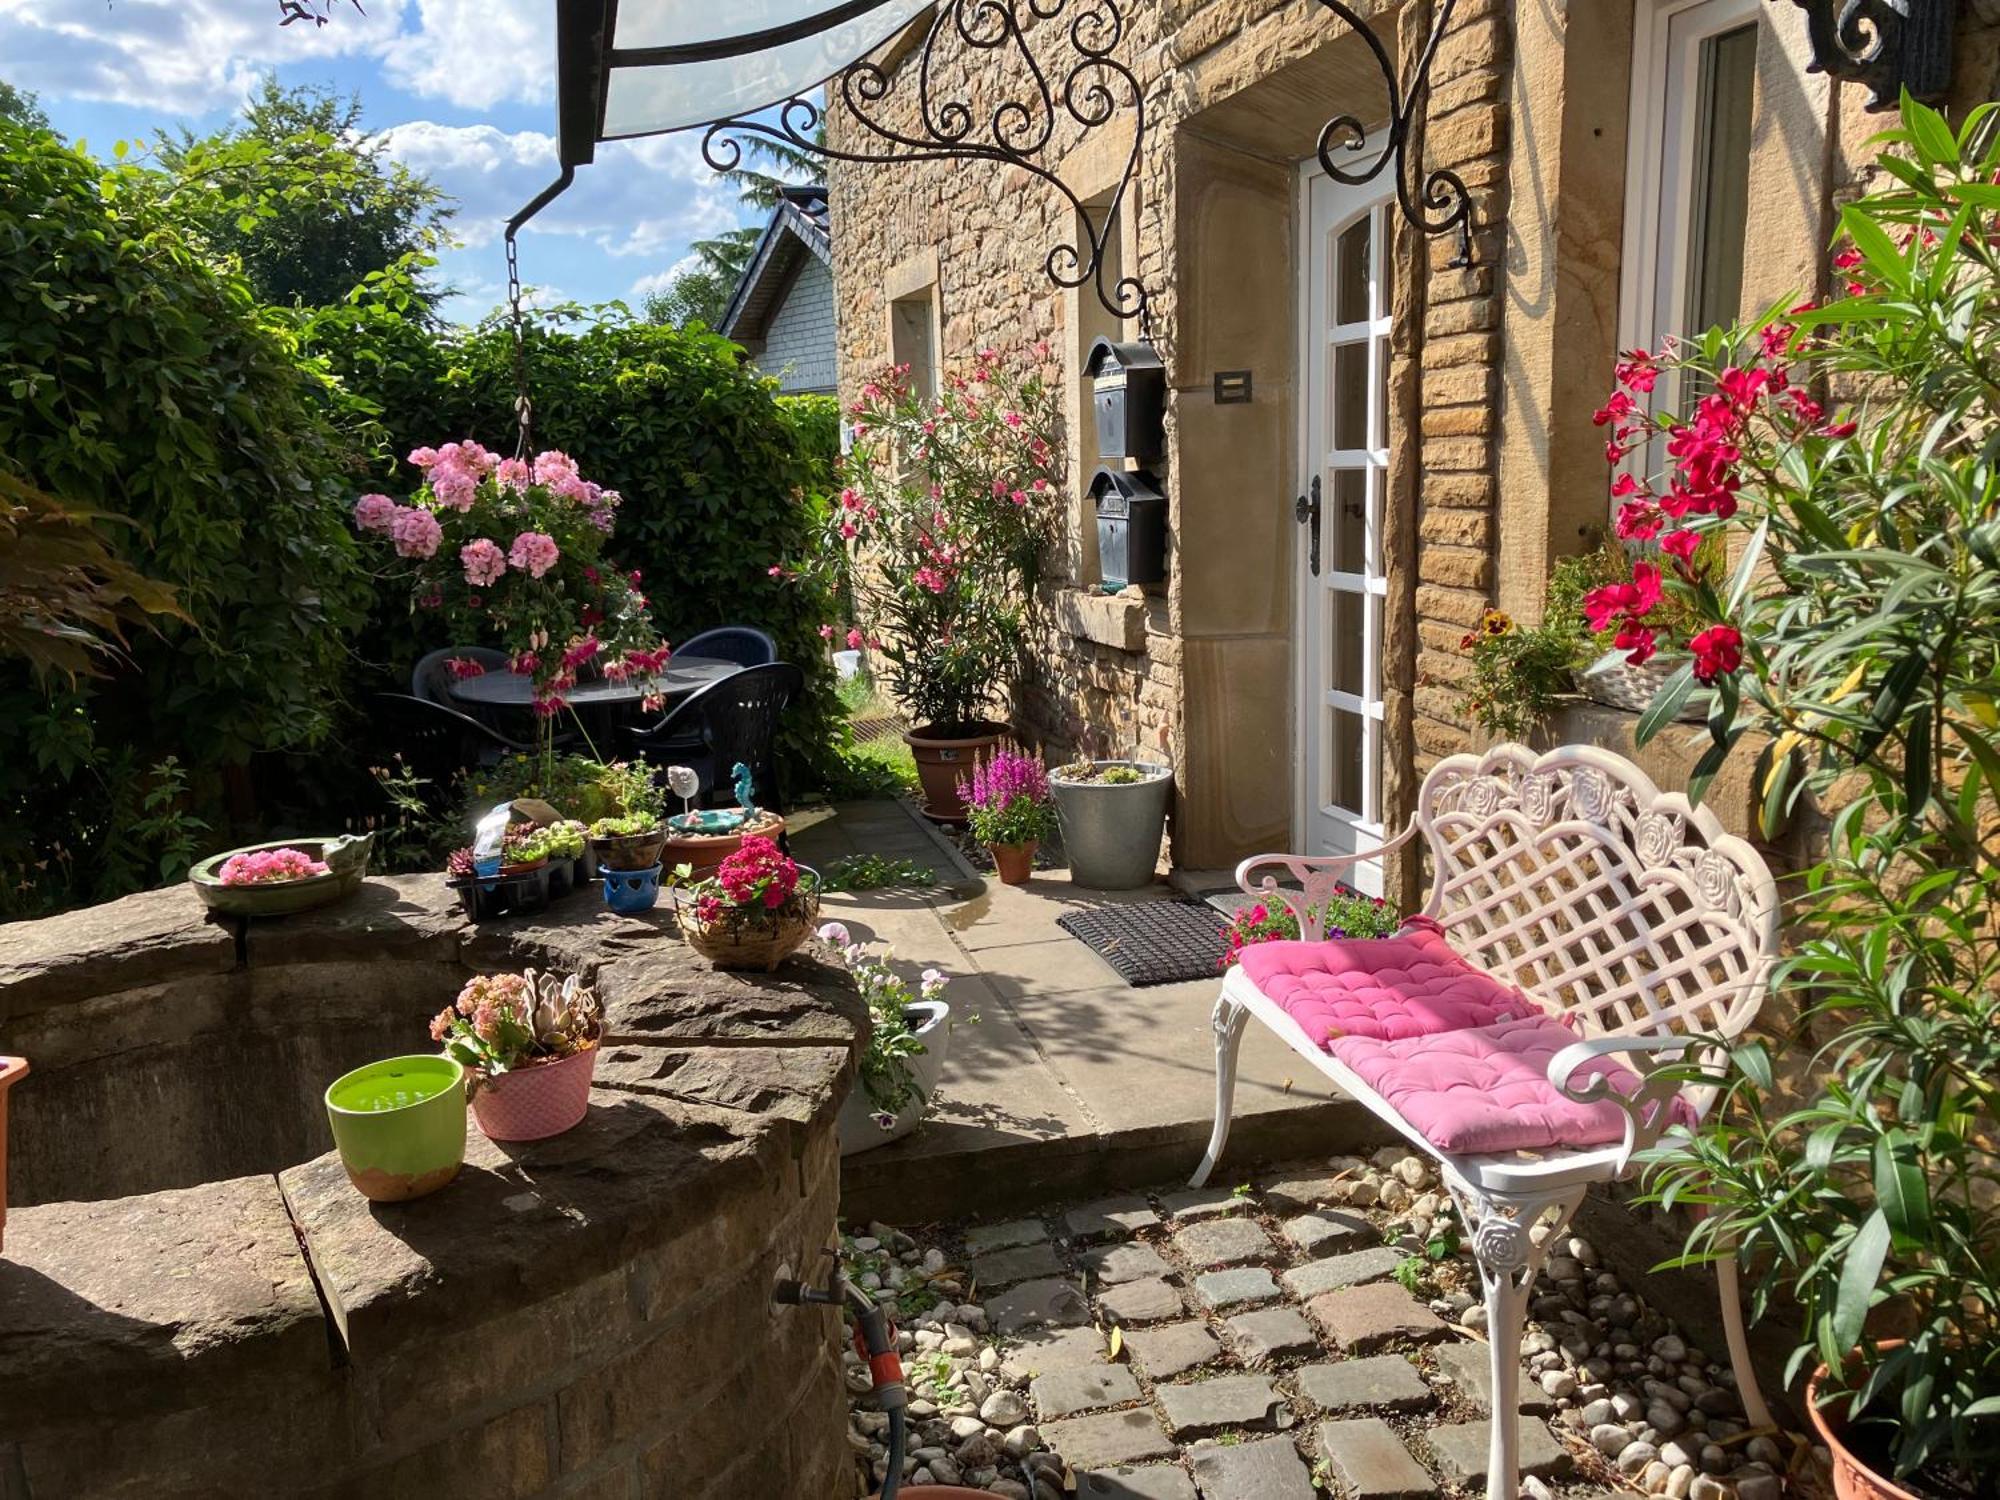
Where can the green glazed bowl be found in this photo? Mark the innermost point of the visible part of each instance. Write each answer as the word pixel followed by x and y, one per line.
pixel 346 860
pixel 400 1125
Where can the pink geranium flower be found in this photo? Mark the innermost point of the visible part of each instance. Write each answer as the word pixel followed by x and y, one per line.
pixel 514 474
pixel 483 560
pixel 415 531
pixel 534 553
pixel 456 488
pixel 374 512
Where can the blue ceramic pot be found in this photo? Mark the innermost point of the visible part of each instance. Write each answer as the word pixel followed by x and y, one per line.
pixel 631 890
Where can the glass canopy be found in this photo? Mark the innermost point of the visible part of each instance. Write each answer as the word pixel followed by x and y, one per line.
pixel 643 67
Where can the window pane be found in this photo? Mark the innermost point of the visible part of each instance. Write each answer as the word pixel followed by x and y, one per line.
pixel 1347 642
pixel 1381 393
pixel 1344 755
pixel 1350 396
pixel 1387 272
pixel 1719 212
pixel 1348 525
pixel 1351 272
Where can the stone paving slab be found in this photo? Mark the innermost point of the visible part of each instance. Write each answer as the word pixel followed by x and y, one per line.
pixel 1202 1203
pixel 1379 1382
pixel 1147 1301
pixel 1470 1368
pixel 1297 1194
pixel 1110 1218
pixel 1021 1263
pixel 1203 1406
pixel 1173 1348
pixel 1363 1319
pixel 1367 1457
pixel 1154 1482
pixel 1045 1349
pixel 1114 1265
pixel 1330 1231
pixel 1053 1303
pixel 1460 1449
pixel 1114 1437
pixel 1238 1288
pixel 1224 1242
pixel 1064 1393
pixel 981 1238
pixel 1265 1470
pixel 1273 1333
pixel 1338 1271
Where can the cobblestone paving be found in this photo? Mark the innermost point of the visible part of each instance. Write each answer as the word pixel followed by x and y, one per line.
pixel 1256 1345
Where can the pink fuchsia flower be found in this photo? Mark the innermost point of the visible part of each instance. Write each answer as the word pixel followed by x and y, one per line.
pixel 462 667
pixel 415 531
pixel 515 475
pixel 483 560
pixel 1718 651
pixel 455 488
pixel 534 553
pixel 524 664
pixel 374 512
pixel 579 653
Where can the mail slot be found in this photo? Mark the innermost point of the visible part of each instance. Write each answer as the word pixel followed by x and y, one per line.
pixel 1131 527
pixel 1131 399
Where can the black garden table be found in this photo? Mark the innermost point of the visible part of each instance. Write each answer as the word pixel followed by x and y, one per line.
pixel 603 707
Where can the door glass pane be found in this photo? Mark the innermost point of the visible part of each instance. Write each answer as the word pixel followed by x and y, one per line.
pixel 1347 642
pixel 1344 761
pixel 1719 212
pixel 1349 522
pixel 1381 393
pixel 1385 278
pixel 1350 396
pixel 1350 277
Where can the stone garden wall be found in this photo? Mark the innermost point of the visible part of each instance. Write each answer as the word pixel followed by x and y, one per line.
pixel 201 1304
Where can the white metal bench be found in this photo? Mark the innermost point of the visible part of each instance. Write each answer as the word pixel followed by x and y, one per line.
pixel 1621 911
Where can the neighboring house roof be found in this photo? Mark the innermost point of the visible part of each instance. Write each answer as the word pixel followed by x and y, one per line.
pixel 798 227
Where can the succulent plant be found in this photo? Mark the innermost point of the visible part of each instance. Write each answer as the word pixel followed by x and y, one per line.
pixel 564 1012
pixel 459 864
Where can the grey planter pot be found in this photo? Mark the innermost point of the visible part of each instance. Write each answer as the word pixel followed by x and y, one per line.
pixel 857 1127
pixel 1111 833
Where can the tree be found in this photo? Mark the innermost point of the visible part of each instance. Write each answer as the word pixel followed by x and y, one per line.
pixel 22 107
pixel 348 211
pixel 700 294
pixel 793 165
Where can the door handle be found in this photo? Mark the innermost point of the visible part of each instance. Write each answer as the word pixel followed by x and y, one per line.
pixel 1307 511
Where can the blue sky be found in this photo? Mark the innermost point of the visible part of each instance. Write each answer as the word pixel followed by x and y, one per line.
pixel 463 89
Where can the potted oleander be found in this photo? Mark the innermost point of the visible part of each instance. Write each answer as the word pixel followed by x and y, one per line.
pixel 528 1043
pixel 910 1032
pixel 1008 810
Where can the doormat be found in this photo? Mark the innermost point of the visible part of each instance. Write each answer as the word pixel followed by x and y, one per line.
pixel 1153 942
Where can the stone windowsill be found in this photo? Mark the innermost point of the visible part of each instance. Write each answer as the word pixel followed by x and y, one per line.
pixel 1114 620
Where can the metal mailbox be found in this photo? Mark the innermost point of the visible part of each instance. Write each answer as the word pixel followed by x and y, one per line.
pixel 1131 399
pixel 1131 527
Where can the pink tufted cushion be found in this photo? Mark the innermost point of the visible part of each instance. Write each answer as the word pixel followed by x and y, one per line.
pixel 1412 984
pixel 1487 1088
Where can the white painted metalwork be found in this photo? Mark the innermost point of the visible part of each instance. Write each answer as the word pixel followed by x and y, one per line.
pixel 1616 906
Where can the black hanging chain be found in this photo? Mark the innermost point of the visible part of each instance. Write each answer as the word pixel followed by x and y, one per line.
pixel 524 405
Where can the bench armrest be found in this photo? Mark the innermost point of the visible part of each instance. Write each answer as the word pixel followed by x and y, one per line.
pixel 1317 875
pixel 1648 1109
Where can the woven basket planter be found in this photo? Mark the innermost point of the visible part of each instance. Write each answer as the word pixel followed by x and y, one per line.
pixel 1634 688
pixel 754 940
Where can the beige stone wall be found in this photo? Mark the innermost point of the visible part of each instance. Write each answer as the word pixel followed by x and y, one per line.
pixel 1496 471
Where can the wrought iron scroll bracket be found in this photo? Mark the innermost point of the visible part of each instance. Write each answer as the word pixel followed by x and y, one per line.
pixel 1440 204
pixel 1885 45
pixel 1074 75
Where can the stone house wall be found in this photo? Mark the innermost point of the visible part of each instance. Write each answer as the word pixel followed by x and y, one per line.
pixel 799 345
pixel 1495 468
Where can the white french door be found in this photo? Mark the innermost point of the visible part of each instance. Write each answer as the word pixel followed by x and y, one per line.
pixel 1344 464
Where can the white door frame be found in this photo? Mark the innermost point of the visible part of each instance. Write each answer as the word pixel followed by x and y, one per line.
pixel 1325 208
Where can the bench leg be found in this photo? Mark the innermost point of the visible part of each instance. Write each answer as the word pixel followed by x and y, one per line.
pixel 1226 1021
pixel 1509 1260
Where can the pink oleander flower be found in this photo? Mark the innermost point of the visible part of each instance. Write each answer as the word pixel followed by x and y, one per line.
pixel 483 560
pixel 854 640
pixel 374 512
pixel 534 553
pixel 514 474
pixel 826 632
pixel 270 867
pixel 1718 651
pixel 415 531
pixel 932 579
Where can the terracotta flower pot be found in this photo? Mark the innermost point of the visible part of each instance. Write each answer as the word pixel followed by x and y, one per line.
pixel 1015 862
pixel 12 1071
pixel 534 1103
pixel 1852 1479
pixel 945 760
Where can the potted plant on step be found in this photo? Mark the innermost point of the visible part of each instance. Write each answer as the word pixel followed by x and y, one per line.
pixel 1112 813
pixel 1007 805
pixel 1856 1168
pixel 399 1125
pixel 949 506
pixel 910 1035
pixel 627 853
pixel 528 1043
pixel 755 910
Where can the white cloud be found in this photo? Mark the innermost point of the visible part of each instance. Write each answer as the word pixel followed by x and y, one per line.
pixel 479 53
pixel 659 281
pixel 185 56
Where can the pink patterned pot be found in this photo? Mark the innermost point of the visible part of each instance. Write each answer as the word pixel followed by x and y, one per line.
pixel 531 1104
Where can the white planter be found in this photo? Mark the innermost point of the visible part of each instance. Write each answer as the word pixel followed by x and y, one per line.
pixel 1622 685
pixel 857 1127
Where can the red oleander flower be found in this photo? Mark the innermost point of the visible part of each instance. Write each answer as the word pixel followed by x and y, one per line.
pixel 1718 651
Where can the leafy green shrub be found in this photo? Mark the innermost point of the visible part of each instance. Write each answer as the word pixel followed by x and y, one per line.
pixel 138 378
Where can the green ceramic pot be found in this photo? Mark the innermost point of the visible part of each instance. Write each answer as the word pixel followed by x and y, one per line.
pixel 346 862
pixel 400 1125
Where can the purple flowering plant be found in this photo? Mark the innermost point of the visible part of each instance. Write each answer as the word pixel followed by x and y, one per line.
pixel 1007 800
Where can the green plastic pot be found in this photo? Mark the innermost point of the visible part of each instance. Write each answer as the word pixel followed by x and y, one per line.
pixel 400 1125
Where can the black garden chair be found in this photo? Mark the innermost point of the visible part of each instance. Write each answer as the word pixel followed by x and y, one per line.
pixel 742 644
pixel 730 721
pixel 438 743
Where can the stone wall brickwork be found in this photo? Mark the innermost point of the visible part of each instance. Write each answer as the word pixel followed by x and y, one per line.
pixel 586 1315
